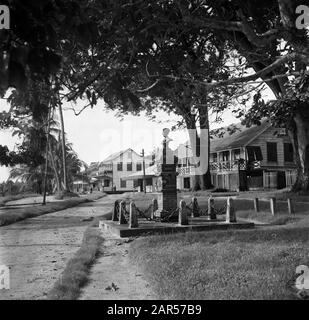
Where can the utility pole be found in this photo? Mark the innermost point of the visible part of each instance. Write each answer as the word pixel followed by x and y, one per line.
pixel 144 174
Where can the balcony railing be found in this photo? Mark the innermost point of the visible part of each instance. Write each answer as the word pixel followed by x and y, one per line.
pixel 228 165
pixel 105 167
pixel 186 170
pixel 222 166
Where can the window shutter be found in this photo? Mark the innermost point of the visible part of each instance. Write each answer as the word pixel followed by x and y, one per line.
pixel 250 152
pixel 258 154
pixel 272 151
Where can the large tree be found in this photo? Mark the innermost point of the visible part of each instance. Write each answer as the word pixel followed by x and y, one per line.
pixel 266 34
pixel 146 60
pixel 105 46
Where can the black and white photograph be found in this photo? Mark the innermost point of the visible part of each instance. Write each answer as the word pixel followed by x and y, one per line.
pixel 154 154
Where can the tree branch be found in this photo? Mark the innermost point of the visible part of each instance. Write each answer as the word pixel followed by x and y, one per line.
pixel 262 73
pixel 148 88
pixel 259 40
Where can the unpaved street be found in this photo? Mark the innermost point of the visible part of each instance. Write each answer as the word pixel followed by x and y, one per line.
pixel 114 267
pixel 37 249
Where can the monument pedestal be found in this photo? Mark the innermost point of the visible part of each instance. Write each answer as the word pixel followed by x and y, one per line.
pixel 167 197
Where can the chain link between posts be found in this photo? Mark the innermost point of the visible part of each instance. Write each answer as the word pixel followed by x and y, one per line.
pixel 205 212
pixel 168 215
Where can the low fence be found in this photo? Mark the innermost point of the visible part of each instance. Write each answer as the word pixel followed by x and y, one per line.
pixel 184 211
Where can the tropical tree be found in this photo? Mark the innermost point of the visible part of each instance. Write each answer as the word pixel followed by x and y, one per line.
pixel 150 62
pixel 265 33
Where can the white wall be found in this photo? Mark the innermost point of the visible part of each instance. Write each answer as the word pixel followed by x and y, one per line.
pixel 125 158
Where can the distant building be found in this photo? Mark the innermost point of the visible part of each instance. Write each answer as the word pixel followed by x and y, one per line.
pixel 152 180
pixel 259 157
pixel 110 173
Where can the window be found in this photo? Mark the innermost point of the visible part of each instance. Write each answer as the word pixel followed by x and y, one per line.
pixel 123 183
pixel 214 157
pixel 254 153
pixel 236 154
pixel 225 155
pixel 138 166
pixel 129 166
pixel 119 166
pixel 149 182
pixel 186 183
pixel 272 152
pixel 106 183
pixel 288 152
pixel 135 183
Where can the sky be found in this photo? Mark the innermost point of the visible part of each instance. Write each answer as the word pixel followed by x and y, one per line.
pixel 96 133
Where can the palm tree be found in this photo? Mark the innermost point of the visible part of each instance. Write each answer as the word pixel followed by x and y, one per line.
pixel 63 148
pixel 29 177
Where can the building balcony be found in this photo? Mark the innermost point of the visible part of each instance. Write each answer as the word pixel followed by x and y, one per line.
pixel 105 168
pixel 222 166
pixel 185 171
pixel 228 165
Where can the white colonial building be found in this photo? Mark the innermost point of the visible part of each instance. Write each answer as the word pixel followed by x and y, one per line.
pixel 111 173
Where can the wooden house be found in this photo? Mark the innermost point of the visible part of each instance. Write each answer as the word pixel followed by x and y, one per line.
pixel 259 157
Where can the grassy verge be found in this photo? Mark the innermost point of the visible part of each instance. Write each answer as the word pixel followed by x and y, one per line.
pixel 75 275
pixel 278 194
pixel 267 218
pixel 12 215
pixel 4 200
pixel 247 264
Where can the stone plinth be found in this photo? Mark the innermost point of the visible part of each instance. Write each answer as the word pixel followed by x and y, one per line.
pixel 167 197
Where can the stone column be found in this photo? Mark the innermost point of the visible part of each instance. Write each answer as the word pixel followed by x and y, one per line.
pixel 211 208
pixel 256 204
pixel 290 206
pixel 183 217
pixel 230 210
pixel 195 212
pixel 133 219
pixel 116 211
pixel 122 211
pixel 155 207
pixel 272 203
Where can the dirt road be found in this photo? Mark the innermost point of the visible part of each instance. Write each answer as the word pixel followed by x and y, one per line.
pixel 114 267
pixel 36 250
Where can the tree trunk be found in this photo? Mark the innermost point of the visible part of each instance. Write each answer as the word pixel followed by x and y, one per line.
pixel 193 137
pixel 205 179
pixel 57 178
pixel 65 181
pixel 299 135
pixel 46 155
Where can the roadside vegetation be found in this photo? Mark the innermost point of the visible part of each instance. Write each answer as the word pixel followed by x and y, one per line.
pixel 12 214
pixel 75 275
pixel 5 199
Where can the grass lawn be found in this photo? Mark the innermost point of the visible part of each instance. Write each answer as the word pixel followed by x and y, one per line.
pixel 5 199
pixel 9 215
pixel 244 264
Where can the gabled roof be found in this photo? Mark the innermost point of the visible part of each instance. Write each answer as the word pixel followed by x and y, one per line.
pixel 116 155
pixel 238 139
pixel 242 137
